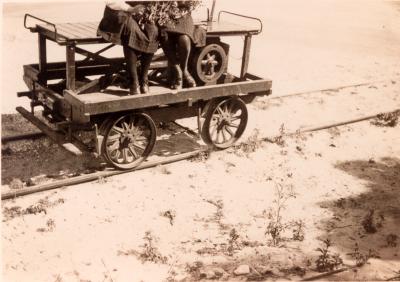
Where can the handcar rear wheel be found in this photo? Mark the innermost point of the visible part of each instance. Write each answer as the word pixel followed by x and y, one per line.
pixel 225 123
pixel 129 140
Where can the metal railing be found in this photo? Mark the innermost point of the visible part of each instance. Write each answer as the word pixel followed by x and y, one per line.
pixel 243 16
pixel 33 29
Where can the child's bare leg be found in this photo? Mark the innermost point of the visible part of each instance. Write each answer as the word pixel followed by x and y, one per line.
pixel 169 46
pixel 131 58
pixel 184 48
pixel 145 60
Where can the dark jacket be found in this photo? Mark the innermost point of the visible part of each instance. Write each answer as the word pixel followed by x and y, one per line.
pixel 120 28
pixel 185 25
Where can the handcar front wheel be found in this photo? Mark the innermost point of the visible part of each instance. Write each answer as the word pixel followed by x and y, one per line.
pixel 129 140
pixel 225 122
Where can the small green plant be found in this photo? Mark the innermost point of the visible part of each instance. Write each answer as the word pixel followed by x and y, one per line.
pixel 34 209
pixel 391 240
pixel 276 225
pixel 201 157
pixel 102 180
pixel 252 144
pixel 327 261
pixel 149 251
pixel 194 269
pixel 233 243
pixel 372 223
pixel 280 139
pixel 219 204
pixel 387 119
pixel 361 258
pixel 395 278
pixel 40 207
pixel 50 226
pixel 170 215
pixel 298 230
pixel 16 184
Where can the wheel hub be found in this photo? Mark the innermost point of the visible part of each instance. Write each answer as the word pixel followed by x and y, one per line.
pixel 128 136
pixel 210 63
pixel 125 140
pixel 222 122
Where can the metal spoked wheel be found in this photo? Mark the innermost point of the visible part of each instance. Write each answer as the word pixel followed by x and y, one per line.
pixel 210 63
pixel 129 140
pixel 225 123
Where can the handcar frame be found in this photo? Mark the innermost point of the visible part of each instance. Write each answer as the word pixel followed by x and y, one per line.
pixel 78 95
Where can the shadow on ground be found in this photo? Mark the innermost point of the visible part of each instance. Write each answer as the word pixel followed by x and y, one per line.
pixel 24 160
pixel 370 219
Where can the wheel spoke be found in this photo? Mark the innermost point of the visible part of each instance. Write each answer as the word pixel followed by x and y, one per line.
pixel 237 117
pixel 133 152
pixel 138 146
pixel 113 146
pixel 125 155
pixel 231 108
pixel 116 155
pixel 141 139
pixel 131 122
pixel 223 135
pixel 229 131
pixel 216 136
pixel 226 110
pixel 125 126
pixel 212 70
pixel 220 111
pixel 113 138
pixel 213 124
pixel 213 131
pixel 233 125
pixel 118 129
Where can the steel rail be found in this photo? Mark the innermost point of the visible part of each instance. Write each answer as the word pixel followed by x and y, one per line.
pixel 330 89
pixel 95 176
pixel 173 159
pixel 23 136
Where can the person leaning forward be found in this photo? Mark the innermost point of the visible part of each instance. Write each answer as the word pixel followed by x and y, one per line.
pixel 118 26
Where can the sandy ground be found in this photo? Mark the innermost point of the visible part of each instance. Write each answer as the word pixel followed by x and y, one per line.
pixel 95 231
pixel 209 216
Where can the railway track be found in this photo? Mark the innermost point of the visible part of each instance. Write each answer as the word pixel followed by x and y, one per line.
pixel 104 174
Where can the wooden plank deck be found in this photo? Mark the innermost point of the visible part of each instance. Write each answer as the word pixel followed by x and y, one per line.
pixel 86 32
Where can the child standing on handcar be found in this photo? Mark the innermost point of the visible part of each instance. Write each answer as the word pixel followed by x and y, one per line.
pixel 139 42
pixel 177 38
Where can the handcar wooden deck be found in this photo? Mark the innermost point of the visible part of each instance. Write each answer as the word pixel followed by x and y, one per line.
pixel 88 94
